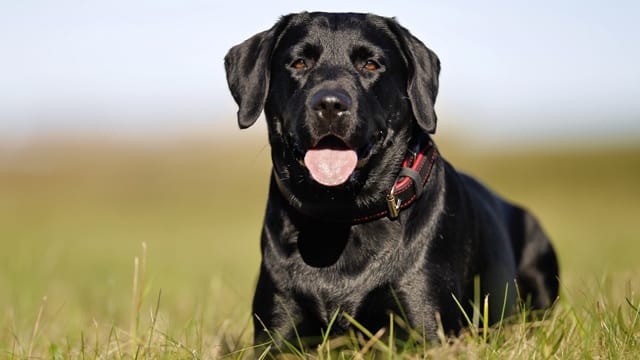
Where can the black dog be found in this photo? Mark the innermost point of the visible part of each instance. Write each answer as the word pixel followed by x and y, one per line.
pixel 364 216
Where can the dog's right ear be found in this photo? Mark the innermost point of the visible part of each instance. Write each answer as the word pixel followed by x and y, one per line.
pixel 248 71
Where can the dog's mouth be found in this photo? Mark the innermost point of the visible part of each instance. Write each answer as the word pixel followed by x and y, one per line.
pixel 331 161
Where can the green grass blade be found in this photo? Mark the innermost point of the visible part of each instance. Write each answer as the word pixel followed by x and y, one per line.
pixel 366 332
pixel 464 313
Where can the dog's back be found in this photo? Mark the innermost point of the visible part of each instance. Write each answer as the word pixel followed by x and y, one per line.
pixel 516 247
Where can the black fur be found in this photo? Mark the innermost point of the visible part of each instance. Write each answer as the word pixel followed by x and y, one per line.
pixel 383 83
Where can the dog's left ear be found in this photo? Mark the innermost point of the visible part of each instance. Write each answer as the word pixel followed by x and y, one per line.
pixel 422 85
pixel 248 72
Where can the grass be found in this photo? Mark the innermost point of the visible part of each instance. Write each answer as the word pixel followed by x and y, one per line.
pixel 74 216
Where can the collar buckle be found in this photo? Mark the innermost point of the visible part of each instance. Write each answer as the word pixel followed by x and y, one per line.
pixel 393 204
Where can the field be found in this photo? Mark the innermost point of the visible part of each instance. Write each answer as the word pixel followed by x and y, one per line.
pixel 74 216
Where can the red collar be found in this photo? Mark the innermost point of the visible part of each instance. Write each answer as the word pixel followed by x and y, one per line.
pixel 407 188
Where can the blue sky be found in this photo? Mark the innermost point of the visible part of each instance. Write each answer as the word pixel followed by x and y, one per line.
pixel 510 69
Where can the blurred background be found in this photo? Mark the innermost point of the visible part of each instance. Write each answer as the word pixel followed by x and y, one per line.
pixel 550 71
pixel 116 128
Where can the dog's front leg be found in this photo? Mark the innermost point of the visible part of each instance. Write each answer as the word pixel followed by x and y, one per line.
pixel 279 318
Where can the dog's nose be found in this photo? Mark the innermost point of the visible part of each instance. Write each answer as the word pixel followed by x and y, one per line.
pixel 330 104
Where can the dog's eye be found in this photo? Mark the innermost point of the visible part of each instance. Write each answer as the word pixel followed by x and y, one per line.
pixel 299 64
pixel 371 65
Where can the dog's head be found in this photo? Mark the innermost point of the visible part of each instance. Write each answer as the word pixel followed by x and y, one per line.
pixel 343 94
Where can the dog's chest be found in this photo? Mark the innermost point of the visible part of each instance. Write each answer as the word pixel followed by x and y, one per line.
pixel 338 268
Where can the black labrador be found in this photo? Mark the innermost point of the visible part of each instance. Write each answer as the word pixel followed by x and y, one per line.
pixel 364 216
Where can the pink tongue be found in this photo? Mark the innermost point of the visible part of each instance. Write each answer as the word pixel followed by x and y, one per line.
pixel 330 167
